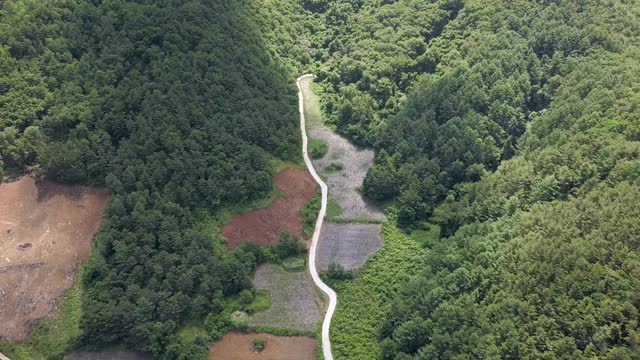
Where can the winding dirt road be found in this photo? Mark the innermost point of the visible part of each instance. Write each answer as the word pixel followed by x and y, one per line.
pixel 333 299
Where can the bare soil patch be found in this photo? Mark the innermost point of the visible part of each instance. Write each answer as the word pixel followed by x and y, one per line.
pixel 293 303
pixel 107 355
pixel 46 231
pixel 348 245
pixel 237 346
pixel 264 226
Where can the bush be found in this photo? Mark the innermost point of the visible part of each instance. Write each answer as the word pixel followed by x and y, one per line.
pixel 289 246
pixel 335 166
pixel 294 264
pixel 310 213
pixel 317 148
pixel 259 344
pixel 338 272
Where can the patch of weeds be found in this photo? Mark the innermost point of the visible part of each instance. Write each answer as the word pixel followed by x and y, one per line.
pixel 427 235
pixel 364 301
pixel 309 213
pixel 239 319
pixel 261 301
pixel 334 167
pixel 294 264
pixel 259 344
pixel 334 210
pixel 336 273
pixel 317 148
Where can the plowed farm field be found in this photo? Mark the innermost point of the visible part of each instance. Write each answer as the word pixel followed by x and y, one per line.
pixel 264 226
pixel 238 346
pixel 46 231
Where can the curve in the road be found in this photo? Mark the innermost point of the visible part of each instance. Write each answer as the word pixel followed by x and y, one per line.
pixel 333 299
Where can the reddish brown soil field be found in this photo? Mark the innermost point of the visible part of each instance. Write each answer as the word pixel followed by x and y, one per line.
pixel 264 226
pixel 237 346
pixel 46 230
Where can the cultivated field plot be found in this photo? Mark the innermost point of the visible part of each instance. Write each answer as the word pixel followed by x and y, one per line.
pixel 349 245
pixel 343 184
pixel 292 295
pixel 107 355
pixel 264 226
pixel 237 346
pixel 46 231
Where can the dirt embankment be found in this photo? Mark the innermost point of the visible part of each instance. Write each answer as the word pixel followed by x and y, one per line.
pixel 238 346
pixel 264 226
pixel 46 231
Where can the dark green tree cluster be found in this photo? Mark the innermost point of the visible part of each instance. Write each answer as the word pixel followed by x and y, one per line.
pixel 462 79
pixel 539 258
pixel 372 51
pixel 174 106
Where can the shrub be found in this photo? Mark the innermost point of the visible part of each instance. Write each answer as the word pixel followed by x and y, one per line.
pixel 259 344
pixel 317 148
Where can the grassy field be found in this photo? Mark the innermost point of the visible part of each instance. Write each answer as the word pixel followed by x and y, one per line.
pixel 364 302
pixel 52 337
pixel 312 112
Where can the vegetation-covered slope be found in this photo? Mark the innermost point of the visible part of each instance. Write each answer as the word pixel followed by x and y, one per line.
pixel 513 125
pixel 175 107
pixel 518 136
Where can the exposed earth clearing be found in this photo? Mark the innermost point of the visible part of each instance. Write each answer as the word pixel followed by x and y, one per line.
pixel 264 226
pixel 46 231
pixel 238 346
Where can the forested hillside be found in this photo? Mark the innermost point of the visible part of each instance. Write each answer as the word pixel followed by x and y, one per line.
pixel 175 107
pixel 512 125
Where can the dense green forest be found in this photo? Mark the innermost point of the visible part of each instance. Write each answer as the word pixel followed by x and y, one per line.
pixel 513 127
pixel 175 106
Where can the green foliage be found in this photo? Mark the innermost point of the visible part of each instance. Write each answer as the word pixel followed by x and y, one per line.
pixel 317 148
pixel 334 211
pixel 336 272
pixel 259 344
pixel 261 301
pixel 554 282
pixel 289 246
pixel 519 145
pixel 310 212
pixel 366 300
pixel 294 263
pixel 335 167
